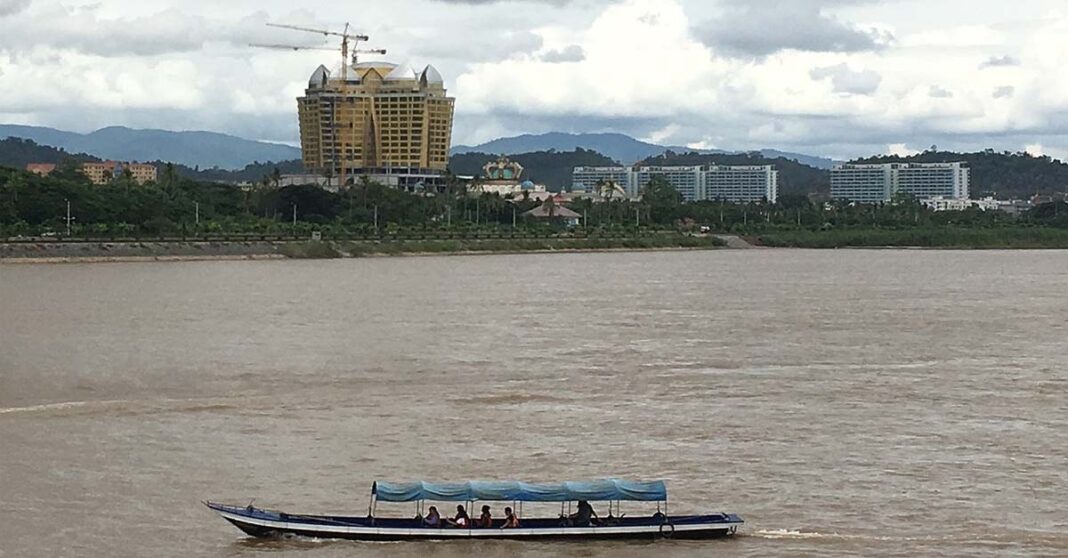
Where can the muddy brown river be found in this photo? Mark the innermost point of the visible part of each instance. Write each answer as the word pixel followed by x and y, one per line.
pixel 845 403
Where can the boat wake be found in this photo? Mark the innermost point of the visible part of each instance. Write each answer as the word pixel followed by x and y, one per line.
pixel 119 407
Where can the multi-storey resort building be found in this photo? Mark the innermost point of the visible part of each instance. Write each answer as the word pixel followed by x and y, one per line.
pixel 695 183
pixel 593 179
pixel 377 119
pixel 878 183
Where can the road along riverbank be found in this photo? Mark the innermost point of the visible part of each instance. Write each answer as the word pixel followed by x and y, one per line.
pixel 62 252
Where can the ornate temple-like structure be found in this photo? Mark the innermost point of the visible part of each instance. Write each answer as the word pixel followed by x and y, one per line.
pixel 505 176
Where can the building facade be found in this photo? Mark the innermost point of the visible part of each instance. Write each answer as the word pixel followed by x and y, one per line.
pixel 741 183
pixel 105 172
pixel 878 183
pixel 504 177
pixel 379 118
pixel 593 179
pixel 695 183
pixel 41 169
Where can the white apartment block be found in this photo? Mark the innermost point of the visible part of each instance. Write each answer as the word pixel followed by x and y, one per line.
pixel 741 184
pixel 586 179
pixel 695 183
pixel 687 180
pixel 877 183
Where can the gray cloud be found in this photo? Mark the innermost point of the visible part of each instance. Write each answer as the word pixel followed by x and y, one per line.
pixel 10 7
pixel 763 27
pixel 572 53
pixel 938 92
pixel 999 61
pixel 489 2
pixel 1004 92
pixel 82 29
pixel 845 80
pixel 482 46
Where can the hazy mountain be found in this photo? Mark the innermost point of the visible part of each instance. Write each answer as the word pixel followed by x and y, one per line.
pixel 620 147
pixel 203 149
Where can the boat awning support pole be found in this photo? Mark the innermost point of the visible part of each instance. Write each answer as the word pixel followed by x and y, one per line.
pixel 371 504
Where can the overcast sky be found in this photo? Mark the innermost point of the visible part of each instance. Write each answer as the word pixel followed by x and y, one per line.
pixel 839 78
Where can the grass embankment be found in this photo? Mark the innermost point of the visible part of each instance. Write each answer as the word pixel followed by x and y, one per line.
pixel 950 237
pixel 339 249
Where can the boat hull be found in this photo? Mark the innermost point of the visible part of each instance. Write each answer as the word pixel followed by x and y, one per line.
pixel 269 524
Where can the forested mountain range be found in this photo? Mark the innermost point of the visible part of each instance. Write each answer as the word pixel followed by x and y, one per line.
pixel 193 149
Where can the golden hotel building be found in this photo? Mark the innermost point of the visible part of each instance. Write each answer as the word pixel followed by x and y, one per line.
pixel 381 120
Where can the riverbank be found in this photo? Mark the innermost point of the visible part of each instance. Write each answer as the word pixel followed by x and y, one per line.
pixel 949 238
pixel 92 252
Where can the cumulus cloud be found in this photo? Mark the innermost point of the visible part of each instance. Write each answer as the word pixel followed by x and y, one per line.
pixel 763 27
pixel 848 81
pixel 841 78
pixel 86 30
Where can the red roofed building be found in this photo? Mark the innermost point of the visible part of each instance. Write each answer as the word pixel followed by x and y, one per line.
pixel 41 169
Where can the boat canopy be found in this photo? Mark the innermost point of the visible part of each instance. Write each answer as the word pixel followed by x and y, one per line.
pixel 488 491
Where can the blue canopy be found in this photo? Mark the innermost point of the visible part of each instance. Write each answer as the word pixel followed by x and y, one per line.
pixel 487 491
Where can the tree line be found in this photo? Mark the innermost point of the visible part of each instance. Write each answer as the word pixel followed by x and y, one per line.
pixel 31 204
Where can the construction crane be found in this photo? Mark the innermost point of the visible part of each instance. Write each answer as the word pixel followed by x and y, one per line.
pixel 345 38
pixel 338 162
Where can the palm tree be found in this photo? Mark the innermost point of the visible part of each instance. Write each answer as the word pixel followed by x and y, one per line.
pixel 550 207
pixel 607 189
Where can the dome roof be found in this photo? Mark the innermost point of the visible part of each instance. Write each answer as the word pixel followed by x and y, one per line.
pixel 403 71
pixel 351 75
pixel 432 75
pixel 374 64
pixel 319 77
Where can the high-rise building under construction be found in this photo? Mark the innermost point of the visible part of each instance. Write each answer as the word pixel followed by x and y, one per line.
pixel 376 118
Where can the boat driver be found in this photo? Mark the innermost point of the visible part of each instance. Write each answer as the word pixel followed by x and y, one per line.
pixel 585 516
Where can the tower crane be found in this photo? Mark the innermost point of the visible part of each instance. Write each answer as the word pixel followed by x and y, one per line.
pixel 345 38
pixel 339 162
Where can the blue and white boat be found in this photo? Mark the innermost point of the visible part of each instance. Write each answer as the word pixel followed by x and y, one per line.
pixel 259 522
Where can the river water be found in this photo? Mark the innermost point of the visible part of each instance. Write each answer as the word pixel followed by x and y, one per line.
pixel 845 403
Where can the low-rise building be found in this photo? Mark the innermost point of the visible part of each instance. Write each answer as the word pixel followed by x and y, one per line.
pixel 106 171
pixel 41 169
pixel 940 203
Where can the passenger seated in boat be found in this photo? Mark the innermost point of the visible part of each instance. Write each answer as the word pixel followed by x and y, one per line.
pixel 485 521
pixel 432 519
pixel 461 520
pixel 510 520
pixel 585 516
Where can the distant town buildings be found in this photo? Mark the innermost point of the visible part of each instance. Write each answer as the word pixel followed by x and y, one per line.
pixel 940 203
pixel 878 183
pixel 377 119
pixel 41 169
pixel 104 172
pixel 695 183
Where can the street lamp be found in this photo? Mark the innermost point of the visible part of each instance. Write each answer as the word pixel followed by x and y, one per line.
pixel 69 218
